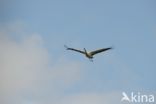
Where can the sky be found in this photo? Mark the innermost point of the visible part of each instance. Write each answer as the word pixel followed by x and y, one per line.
pixel 35 67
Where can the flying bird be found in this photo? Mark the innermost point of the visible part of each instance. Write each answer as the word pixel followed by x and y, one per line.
pixel 89 54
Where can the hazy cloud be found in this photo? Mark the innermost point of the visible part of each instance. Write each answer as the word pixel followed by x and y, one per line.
pixel 28 76
pixel 92 98
pixel 25 70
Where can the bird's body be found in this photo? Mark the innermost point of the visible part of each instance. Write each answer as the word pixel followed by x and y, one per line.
pixel 89 54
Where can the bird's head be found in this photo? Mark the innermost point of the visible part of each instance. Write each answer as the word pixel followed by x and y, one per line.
pixel 85 50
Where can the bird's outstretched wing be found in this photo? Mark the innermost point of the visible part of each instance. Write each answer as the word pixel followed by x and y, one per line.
pixel 100 50
pixel 74 49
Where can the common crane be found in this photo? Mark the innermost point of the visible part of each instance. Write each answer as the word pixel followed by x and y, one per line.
pixel 89 54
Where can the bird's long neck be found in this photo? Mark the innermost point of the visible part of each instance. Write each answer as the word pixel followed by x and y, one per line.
pixel 85 51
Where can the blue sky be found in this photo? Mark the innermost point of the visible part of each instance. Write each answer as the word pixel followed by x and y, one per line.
pixel 38 29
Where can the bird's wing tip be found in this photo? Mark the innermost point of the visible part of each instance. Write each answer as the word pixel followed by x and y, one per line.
pixel 112 47
pixel 66 46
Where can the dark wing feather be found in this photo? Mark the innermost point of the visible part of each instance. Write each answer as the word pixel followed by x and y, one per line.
pixel 100 50
pixel 74 49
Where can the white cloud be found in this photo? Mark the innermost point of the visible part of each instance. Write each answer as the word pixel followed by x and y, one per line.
pixel 28 77
pixel 25 71
pixel 92 98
